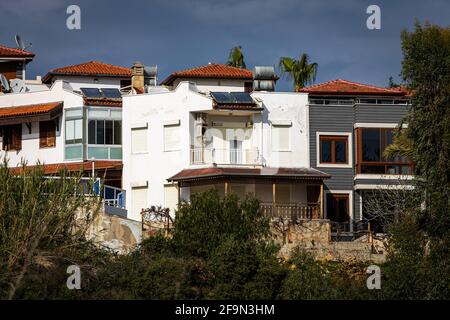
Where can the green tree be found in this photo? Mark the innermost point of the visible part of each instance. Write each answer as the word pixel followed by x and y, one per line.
pixel 236 58
pixel 426 70
pixel 42 231
pixel 204 223
pixel 301 71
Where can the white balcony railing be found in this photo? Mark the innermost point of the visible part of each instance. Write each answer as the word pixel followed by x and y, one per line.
pixel 225 156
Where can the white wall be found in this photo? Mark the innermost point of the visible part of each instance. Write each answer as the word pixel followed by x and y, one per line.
pixel 225 85
pixel 156 165
pixel 30 151
pixel 88 82
pixel 284 107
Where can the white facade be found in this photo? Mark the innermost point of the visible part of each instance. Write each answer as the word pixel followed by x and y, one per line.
pixel 204 85
pixel 77 82
pixel 160 138
pixel 30 151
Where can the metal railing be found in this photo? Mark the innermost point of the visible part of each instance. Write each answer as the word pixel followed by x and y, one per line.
pixel 225 156
pixel 292 211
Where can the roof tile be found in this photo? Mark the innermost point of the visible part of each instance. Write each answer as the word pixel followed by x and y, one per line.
pixel 91 68
pixel 14 53
pixel 345 87
pixel 31 109
pixel 213 70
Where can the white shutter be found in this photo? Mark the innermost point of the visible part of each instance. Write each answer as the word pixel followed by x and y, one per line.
pixel 138 201
pixel 171 137
pixel 281 139
pixel 78 129
pixel 70 130
pixel 171 197
pixel 139 140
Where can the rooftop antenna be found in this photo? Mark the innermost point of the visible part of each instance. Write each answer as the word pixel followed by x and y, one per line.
pixel 4 82
pixel 20 44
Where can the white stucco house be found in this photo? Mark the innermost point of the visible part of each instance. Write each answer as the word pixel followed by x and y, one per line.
pixel 205 131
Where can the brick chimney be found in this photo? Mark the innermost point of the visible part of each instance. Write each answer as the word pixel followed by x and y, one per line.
pixel 137 75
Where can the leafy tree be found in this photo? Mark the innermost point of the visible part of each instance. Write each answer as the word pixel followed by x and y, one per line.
pixel 204 223
pixel 236 58
pixel 426 70
pixel 42 227
pixel 301 71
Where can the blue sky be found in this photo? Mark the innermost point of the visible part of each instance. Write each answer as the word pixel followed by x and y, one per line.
pixel 180 34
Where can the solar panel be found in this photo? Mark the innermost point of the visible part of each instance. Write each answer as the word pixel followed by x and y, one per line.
pixel 91 93
pixel 111 93
pixel 242 97
pixel 222 97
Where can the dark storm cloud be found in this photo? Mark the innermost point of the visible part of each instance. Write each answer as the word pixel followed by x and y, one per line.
pixel 181 34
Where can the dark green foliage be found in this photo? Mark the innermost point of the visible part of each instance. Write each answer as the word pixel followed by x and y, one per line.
pixel 202 225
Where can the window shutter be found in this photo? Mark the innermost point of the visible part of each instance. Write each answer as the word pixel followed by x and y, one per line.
pixel 171 137
pixel 280 138
pixel 17 137
pixel 47 134
pixel 139 140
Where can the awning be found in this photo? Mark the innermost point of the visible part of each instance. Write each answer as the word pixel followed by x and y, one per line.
pixel 74 166
pixel 256 173
pixel 30 113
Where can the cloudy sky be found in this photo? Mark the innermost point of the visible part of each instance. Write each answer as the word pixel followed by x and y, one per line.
pixel 179 34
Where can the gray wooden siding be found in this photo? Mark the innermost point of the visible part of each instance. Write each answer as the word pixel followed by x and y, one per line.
pixel 380 113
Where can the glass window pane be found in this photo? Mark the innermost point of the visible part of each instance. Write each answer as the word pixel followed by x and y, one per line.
pixel 100 132
pixel 108 132
pixel 91 132
pixel 340 151
pixel 117 132
pixel 325 155
pixel 371 144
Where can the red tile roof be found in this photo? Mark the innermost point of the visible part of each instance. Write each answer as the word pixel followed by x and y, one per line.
pixel 91 68
pixel 210 71
pixel 74 166
pixel 6 52
pixel 345 87
pixel 27 110
pixel 221 172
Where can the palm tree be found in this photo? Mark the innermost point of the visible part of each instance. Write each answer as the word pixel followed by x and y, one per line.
pixel 236 58
pixel 301 71
pixel 401 146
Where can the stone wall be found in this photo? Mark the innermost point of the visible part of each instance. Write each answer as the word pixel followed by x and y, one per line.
pixel 115 232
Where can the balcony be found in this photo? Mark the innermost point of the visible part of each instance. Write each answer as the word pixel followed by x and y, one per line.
pixel 225 156
pixel 294 211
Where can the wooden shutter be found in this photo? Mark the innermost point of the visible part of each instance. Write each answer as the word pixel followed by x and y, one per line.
pixel 16 137
pixel 47 134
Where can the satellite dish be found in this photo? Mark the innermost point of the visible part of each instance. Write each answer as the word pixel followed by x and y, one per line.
pixel 17 85
pixel 20 44
pixel 5 83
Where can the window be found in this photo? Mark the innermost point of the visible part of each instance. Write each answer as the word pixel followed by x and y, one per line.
pixel 74 131
pixel 47 134
pixel 171 197
pixel 12 137
pixel 171 137
pixel 248 87
pixel 338 211
pixel 333 149
pixel 105 132
pixel 371 145
pixel 281 138
pixel 138 200
pixel 139 140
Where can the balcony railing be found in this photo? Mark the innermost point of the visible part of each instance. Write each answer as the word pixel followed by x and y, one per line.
pixel 225 156
pixel 292 211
